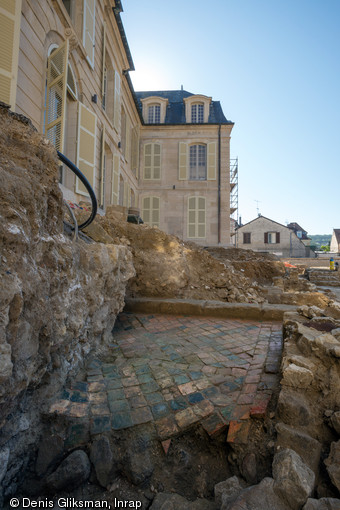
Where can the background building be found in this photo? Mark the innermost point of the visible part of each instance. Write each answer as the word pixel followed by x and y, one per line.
pixel 66 65
pixel 265 235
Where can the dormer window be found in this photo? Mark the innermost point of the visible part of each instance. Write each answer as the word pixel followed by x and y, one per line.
pixel 154 109
pixel 197 108
pixel 154 114
pixel 197 113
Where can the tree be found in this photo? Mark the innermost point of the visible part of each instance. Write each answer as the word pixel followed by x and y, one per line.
pixel 325 247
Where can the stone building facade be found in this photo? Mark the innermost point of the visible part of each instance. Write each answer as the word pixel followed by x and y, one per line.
pixel 265 235
pixel 66 65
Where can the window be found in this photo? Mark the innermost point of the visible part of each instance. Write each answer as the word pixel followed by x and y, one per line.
pixel 272 237
pixel 150 211
pixel 197 113
pixel 246 237
pixel 196 217
pixel 89 30
pixel 104 89
pixel 58 77
pixel 69 5
pixel 198 163
pixel 152 161
pixel 154 114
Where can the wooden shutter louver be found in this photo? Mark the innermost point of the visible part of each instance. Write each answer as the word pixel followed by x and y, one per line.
pixel 89 29
pixel 183 161
pixel 147 161
pixel 266 238
pixel 116 105
pixel 151 211
pixel 115 180
pixel 196 217
pixel 211 161
pixel 277 237
pixel 102 169
pixel 103 61
pixel 156 161
pixel 10 16
pixel 57 71
pixel 86 147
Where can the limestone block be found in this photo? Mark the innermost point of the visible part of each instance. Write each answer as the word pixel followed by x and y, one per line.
pixel 335 421
pixel 333 464
pixel 322 504
pixel 227 490
pixel 297 377
pixel 261 496
pixel 333 310
pixel 71 473
pixel 103 461
pixel 4 456
pixel 6 365
pixel 292 408
pixel 294 481
pixel 307 447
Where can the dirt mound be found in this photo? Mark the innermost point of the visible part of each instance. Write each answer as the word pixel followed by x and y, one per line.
pixel 259 267
pixel 168 267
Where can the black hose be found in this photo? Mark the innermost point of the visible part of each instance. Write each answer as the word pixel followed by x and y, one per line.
pixel 87 185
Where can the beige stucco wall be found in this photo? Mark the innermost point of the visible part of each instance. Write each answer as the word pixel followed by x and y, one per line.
pixel 290 244
pixel 334 246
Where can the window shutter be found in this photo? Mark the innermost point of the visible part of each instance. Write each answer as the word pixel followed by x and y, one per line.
pixel 116 105
pixel 127 140
pixel 156 161
pixel 56 96
pixel 266 238
pixel 146 210
pixel 135 147
pixel 151 211
pixel 10 16
pixel 86 146
pixel 89 29
pixel 126 194
pixel 196 217
pixel 103 60
pixel 183 161
pixel 155 212
pixel 115 180
pixel 102 169
pixel 148 168
pixel 211 161
pixel 277 237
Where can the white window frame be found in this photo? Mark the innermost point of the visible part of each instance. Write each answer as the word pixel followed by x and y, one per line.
pixel 197 113
pixel 197 171
pixel 154 114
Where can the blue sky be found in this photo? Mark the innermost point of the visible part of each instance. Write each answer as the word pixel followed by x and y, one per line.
pixel 275 67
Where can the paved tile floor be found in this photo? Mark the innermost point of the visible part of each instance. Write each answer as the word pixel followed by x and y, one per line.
pixel 177 372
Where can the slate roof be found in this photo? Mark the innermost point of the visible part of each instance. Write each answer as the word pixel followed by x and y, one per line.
pixel 175 113
pixel 296 227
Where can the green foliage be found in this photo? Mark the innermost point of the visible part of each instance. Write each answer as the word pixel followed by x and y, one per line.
pixel 325 247
pixel 320 240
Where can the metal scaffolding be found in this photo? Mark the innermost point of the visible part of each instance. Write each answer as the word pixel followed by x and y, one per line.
pixel 234 199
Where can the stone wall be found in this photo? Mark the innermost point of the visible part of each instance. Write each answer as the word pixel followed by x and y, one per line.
pixel 59 297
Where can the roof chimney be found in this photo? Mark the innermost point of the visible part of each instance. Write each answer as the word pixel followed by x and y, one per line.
pixel 181 87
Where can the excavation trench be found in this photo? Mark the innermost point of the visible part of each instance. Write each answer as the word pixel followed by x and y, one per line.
pixel 176 405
